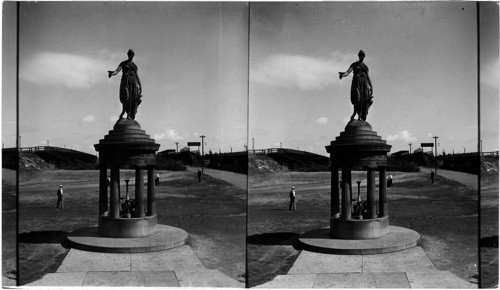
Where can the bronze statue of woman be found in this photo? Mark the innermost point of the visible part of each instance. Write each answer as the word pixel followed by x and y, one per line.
pixel 130 86
pixel 361 87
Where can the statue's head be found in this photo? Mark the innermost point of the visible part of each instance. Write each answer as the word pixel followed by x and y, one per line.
pixel 130 53
pixel 361 54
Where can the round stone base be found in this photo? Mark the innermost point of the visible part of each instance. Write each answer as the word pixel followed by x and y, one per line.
pixel 166 237
pixel 397 239
pixel 359 229
pixel 126 227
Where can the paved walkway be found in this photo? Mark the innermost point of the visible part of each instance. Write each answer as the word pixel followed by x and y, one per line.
pixel 236 179
pixel 178 267
pixel 410 268
pixel 467 179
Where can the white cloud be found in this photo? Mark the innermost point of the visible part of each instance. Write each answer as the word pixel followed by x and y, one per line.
pixel 89 119
pixel 304 72
pixel 169 134
pixel 65 69
pixel 402 136
pixel 158 136
pixel 322 120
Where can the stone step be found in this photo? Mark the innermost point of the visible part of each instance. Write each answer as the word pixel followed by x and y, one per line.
pixel 207 278
pixel 437 279
pixel 171 268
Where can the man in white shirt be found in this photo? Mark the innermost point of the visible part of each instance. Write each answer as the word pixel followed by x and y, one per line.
pixel 292 199
pixel 60 197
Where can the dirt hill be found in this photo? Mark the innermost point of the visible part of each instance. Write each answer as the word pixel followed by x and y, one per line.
pixel 31 162
pixel 489 166
pixel 263 164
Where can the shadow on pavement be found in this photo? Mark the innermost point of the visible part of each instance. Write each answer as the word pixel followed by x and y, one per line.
pixel 269 239
pixel 43 237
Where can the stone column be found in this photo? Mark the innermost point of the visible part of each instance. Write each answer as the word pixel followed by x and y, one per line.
pixel 346 203
pixel 382 187
pixel 335 198
pixel 103 189
pixel 372 206
pixel 151 191
pixel 114 202
pixel 139 192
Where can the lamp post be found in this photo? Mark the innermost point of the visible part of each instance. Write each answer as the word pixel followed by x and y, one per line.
pixel 202 153
pixel 435 154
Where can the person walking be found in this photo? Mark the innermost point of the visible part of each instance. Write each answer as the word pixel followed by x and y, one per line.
pixel 157 179
pixel 199 176
pixel 292 199
pixel 389 180
pixel 60 197
pixel 432 176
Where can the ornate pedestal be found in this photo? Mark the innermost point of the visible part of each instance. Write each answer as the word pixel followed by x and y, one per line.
pixel 126 146
pixel 358 148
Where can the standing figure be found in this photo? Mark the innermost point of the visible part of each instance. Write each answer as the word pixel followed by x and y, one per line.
pixel 432 176
pixel 361 87
pixel 60 197
pixel 389 180
pixel 130 86
pixel 199 176
pixel 292 199
pixel 157 179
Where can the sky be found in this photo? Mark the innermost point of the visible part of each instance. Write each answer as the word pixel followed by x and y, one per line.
pixel 208 69
pixel 192 59
pixel 422 58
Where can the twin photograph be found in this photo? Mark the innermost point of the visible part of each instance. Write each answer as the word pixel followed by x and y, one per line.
pixel 239 145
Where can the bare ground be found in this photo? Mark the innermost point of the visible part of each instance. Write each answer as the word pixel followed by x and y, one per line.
pixel 489 230
pixel 444 213
pixel 9 267
pixel 212 212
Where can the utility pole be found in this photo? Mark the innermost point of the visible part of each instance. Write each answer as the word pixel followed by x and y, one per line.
pixel 435 154
pixel 253 143
pixel 231 148
pixel 280 145
pixel 177 147
pixel 410 147
pixel 202 153
pixel 48 143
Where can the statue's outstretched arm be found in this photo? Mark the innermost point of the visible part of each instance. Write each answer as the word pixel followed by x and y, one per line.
pixel 344 74
pixel 114 73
